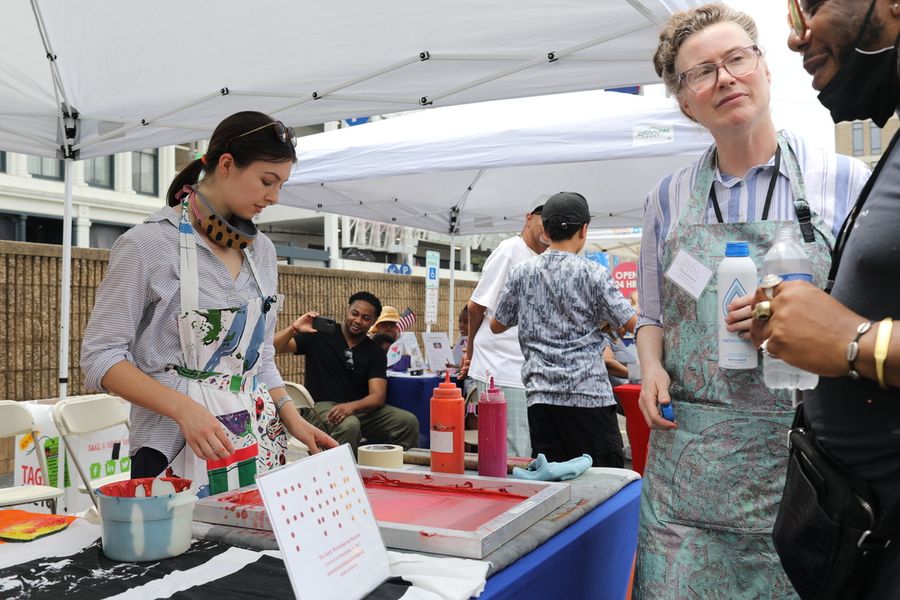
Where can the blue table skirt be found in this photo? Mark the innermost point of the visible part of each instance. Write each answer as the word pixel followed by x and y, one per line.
pixel 590 559
pixel 414 394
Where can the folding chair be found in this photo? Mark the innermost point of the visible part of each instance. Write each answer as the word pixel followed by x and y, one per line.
pixel 16 419
pixel 299 395
pixel 301 398
pixel 79 416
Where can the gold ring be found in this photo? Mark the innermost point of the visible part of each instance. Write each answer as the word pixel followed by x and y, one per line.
pixel 769 283
pixel 762 311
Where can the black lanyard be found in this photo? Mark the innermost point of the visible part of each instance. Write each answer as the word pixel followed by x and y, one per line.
pixel 765 215
pixel 847 227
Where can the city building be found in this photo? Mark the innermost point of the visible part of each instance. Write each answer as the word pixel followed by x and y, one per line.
pixel 864 140
pixel 113 193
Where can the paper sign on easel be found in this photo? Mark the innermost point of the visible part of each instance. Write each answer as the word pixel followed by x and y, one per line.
pixel 325 528
pixel 438 352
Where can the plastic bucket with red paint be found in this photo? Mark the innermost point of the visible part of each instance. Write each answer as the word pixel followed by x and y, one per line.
pixel 146 519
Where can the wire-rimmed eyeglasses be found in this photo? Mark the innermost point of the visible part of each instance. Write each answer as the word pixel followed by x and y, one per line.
pixel 742 61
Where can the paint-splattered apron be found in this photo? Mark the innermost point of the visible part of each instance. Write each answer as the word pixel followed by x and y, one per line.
pixel 221 352
pixel 712 486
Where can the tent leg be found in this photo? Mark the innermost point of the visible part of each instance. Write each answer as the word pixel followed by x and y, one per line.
pixel 66 284
pixel 450 310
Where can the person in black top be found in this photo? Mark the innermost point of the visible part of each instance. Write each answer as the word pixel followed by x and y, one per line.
pixel 346 376
pixel 848 337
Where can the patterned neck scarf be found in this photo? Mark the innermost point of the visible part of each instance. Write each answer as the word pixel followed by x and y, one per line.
pixel 234 233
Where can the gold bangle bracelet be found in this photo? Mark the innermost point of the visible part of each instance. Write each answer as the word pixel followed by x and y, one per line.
pixel 882 342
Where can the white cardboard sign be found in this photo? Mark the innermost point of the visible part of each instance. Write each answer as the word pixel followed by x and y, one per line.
pixel 325 527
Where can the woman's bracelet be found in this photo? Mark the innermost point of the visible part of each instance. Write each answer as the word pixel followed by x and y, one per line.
pixel 882 344
pixel 280 403
pixel 853 348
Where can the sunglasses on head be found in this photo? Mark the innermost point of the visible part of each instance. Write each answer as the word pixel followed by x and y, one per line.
pixel 283 133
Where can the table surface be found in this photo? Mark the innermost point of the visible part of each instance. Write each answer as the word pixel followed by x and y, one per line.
pixel 584 549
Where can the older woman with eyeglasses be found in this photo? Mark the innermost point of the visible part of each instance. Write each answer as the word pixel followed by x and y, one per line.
pixel 183 322
pixel 715 473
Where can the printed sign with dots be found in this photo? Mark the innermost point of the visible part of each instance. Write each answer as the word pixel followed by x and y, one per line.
pixel 324 525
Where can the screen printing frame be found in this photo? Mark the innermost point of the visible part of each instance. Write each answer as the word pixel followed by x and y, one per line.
pixel 542 498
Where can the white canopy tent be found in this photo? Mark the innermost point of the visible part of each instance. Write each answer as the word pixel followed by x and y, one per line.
pixel 142 76
pixel 478 168
pixel 95 77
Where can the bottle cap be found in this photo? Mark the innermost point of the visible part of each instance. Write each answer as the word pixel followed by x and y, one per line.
pixel 493 393
pixel 447 390
pixel 737 249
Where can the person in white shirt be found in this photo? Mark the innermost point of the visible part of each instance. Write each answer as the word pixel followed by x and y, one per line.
pixel 498 355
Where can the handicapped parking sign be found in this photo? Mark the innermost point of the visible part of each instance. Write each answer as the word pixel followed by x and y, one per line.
pixel 432 273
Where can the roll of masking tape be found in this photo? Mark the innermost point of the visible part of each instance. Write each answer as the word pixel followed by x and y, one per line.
pixel 386 456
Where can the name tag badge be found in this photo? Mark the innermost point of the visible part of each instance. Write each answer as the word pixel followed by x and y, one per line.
pixel 689 274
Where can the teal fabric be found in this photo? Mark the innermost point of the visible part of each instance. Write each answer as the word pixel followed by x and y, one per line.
pixel 712 486
pixel 541 470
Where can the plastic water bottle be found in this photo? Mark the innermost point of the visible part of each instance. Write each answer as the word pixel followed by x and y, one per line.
pixel 492 432
pixel 787 259
pixel 736 277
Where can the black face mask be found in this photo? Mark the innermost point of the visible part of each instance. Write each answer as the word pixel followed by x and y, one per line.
pixel 865 86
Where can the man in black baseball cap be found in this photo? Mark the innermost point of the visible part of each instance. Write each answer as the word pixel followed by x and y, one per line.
pixel 559 301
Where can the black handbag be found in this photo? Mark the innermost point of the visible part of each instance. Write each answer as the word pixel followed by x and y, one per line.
pixel 828 528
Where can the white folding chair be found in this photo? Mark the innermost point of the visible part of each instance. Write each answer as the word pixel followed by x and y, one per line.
pixel 16 419
pixel 301 398
pixel 80 416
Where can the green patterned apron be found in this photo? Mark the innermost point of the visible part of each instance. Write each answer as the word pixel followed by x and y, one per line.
pixel 222 350
pixel 712 486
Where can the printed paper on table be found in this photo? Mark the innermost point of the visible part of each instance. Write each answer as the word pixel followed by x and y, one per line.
pixel 325 527
pixel 411 344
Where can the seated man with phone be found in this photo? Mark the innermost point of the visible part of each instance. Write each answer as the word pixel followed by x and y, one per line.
pixel 346 376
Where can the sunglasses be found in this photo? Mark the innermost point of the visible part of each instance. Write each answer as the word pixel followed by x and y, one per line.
pixel 348 354
pixel 283 133
pixel 796 18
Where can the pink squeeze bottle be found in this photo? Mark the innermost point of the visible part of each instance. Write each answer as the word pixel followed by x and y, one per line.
pixel 492 432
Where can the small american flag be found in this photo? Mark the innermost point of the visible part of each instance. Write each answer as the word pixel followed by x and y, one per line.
pixel 407 319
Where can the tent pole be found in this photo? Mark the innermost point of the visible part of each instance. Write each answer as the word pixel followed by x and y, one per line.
pixel 66 284
pixel 450 299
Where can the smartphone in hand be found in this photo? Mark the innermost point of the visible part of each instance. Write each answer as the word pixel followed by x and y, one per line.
pixel 324 324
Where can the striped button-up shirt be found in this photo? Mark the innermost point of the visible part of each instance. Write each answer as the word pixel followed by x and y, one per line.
pixel 134 316
pixel 832 183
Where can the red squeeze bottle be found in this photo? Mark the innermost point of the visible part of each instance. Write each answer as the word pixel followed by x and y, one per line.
pixel 492 432
pixel 447 428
